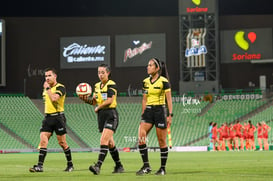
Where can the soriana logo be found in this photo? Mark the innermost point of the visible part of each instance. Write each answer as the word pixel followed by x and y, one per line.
pixel 196 2
pixel 244 40
pixel 197 9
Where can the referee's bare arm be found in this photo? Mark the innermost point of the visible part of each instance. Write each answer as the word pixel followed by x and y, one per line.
pixel 144 100
pixel 170 106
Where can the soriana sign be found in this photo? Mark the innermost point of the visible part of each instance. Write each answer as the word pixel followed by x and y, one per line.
pixel 245 45
pixel 197 6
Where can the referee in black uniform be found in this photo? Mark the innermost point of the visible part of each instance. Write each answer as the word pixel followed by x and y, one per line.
pixel 54 96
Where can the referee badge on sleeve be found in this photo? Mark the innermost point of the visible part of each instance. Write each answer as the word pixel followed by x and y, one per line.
pixel 104 96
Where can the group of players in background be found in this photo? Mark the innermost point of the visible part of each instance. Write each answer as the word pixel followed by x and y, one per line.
pixel 238 136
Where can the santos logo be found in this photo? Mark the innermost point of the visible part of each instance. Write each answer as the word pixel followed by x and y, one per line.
pixel 242 42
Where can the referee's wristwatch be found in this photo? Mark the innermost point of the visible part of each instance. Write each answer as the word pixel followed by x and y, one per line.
pixel 170 114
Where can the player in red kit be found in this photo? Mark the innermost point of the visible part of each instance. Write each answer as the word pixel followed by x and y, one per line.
pixel 215 137
pixel 231 137
pixel 266 129
pixel 225 135
pixel 251 130
pixel 260 135
pixel 238 135
pixel 221 140
pixel 245 135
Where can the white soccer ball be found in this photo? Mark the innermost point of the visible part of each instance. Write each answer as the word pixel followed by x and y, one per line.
pixel 84 89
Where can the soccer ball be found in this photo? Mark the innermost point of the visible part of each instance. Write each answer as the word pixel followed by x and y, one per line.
pixel 84 89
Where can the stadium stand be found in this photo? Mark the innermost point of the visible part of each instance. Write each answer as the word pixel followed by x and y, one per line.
pixel 8 142
pixel 22 117
pixel 130 117
pixel 82 120
pixel 189 128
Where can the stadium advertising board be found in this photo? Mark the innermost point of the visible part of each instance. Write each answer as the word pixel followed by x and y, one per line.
pixel 242 97
pixel 135 50
pixel 2 54
pixel 197 6
pixel 196 50
pixel 244 45
pixel 84 52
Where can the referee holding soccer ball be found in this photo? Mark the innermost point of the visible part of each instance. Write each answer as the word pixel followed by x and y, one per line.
pixel 104 97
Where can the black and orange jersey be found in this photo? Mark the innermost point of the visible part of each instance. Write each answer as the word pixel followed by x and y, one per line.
pixel 156 91
pixel 57 106
pixel 108 90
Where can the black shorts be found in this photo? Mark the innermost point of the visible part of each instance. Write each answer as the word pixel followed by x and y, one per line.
pixel 156 115
pixel 55 123
pixel 107 118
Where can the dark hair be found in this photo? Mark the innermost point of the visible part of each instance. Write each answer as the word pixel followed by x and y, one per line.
pixel 162 68
pixel 107 68
pixel 157 63
pixel 51 69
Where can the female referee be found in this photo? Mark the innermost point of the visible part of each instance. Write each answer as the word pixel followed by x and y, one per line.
pixel 105 95
pixel 156 91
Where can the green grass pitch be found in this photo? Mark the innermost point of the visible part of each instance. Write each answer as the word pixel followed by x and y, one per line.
pixel 181 166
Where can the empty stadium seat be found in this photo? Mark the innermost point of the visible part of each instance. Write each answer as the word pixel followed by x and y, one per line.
pixel 23 118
